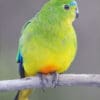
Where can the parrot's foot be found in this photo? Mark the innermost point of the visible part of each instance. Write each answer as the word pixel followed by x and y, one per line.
pixel 49 80
pixel 54 79
pixel 43 81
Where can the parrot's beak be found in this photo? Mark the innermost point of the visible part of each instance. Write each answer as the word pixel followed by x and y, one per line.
pixel 77 13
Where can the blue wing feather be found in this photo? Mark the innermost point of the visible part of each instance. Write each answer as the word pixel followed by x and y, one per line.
pixel 19 60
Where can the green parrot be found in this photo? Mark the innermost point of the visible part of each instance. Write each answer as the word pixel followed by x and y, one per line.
pixel 48 41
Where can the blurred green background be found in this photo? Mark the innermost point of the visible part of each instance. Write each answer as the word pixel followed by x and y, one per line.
pixel 14 13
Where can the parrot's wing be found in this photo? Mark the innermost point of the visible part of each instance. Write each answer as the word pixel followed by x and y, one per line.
pixel 25 25
pixel 19 57
pixel 19 60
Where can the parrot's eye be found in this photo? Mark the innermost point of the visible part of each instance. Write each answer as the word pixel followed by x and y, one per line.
pixel 66 7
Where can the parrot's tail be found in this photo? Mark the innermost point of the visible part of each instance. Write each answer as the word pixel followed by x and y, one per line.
pixel 23 94
pixel 16 97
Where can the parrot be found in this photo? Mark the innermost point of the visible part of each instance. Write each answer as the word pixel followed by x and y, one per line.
pixel 48 42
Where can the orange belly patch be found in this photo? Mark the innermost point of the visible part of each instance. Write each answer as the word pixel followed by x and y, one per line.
pixel 48 69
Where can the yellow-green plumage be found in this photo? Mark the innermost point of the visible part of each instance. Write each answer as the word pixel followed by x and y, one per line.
pixel 48 42
pixel 55 50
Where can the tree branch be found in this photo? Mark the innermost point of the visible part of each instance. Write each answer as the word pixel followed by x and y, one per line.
pixel 63 80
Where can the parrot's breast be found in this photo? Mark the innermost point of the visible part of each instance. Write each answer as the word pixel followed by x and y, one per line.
pixel 49 53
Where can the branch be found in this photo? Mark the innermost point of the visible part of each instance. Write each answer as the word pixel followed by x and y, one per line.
pixel 63 80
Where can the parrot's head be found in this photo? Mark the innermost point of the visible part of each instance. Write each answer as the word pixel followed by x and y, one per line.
pixel 62 10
